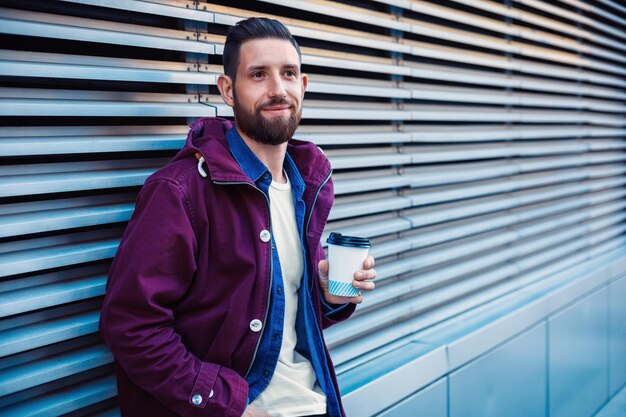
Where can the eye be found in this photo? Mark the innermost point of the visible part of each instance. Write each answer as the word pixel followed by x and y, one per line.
pixel 289 73
pixel 257 74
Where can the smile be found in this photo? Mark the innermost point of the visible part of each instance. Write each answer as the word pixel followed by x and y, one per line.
pixel 277 109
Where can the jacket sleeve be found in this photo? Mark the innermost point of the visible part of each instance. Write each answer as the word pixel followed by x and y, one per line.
pixel 334 314
pixel 151 272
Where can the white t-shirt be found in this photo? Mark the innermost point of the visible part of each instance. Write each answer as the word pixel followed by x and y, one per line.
pixel 293 389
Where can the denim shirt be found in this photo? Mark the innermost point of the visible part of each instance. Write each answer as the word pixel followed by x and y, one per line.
pixel 310 342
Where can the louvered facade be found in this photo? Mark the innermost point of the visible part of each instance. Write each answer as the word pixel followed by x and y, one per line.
pixel 480 145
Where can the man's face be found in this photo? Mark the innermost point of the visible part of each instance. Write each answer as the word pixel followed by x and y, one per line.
pixel 268 91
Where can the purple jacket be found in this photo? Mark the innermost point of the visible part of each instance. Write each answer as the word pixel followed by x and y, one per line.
pixel 191 274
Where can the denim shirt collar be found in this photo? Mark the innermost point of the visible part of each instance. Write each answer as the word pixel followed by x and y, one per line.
pixel 252 166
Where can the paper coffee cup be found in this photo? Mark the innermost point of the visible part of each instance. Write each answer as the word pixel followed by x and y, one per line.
pixel 346 255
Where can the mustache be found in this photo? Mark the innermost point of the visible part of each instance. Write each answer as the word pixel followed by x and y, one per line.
pixel 275 102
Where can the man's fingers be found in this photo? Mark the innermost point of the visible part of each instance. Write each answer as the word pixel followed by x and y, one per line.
pixel 365 274
pixel 364 285
pixel 323 268
pixel 369 262
pixel 357 300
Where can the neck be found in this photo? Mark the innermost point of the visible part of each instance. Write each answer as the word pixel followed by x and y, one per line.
pixel 272 156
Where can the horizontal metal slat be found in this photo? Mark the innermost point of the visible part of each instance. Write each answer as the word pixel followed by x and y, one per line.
pixel 345 11
pixel 472 76
pixel 353 61
pixel 69 131
pixel 54 367
pixel 483 133
pixel 86 108
pixel 55 145
pixel 162 8
pixel 38 218
pixel 45 333
pixel 65 400
pixel 81 29
pixel 359 135
pixel 56 256
pixel 58 293
pixel 474 95
pixel 369 206
pixel 37 254
pixel 355 86
pixel 450 153
pixel 94 72
pixel 20 185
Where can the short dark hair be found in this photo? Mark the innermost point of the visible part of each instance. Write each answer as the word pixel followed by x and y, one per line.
pixel 250 29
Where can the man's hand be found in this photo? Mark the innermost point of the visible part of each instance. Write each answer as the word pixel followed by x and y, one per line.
pixel 362 281
pixel 251 411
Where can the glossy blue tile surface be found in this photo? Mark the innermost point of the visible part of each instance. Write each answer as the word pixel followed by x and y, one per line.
pixel 578 362
pixel 508 381
pixel 617 352
pixel 428 402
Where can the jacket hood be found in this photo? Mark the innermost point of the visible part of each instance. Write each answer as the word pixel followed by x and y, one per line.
pixel 207 137
pixel 201 132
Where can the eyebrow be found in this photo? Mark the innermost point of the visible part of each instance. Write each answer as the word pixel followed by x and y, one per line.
pixel 264 67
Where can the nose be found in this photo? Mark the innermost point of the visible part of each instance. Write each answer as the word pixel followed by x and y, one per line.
pixel 276 87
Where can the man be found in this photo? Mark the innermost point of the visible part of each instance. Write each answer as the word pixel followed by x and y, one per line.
pixel 218 293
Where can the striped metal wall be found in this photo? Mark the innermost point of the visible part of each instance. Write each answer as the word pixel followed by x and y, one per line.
pixel 480 144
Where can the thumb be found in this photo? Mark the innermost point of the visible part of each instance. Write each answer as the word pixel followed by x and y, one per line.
pixel 323 268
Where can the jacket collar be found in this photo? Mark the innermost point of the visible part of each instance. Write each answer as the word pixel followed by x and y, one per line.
pixel 208 136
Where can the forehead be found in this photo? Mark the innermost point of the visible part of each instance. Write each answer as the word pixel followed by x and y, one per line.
pixel 267 52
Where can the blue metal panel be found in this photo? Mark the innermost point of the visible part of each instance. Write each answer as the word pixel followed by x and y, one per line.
pixel 429 402
pixel 617 320
pixel 509 381
pixel 375 384
pixel 578 347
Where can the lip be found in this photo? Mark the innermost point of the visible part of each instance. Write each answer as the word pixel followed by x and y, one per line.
pixel 277 110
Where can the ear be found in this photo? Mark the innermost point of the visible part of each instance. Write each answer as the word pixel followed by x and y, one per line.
pixel 226 86
pixel 305 83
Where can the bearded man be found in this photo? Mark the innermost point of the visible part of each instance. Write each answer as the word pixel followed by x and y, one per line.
pixel 218 294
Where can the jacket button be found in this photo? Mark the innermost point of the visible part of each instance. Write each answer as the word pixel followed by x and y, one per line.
pixel 196 399
pixel 211 394
pixel 265 235
pixel 256 325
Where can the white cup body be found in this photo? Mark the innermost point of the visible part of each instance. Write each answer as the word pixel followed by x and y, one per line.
pixel 343 262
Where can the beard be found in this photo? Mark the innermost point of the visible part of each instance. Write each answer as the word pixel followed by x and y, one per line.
pixel 267 131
